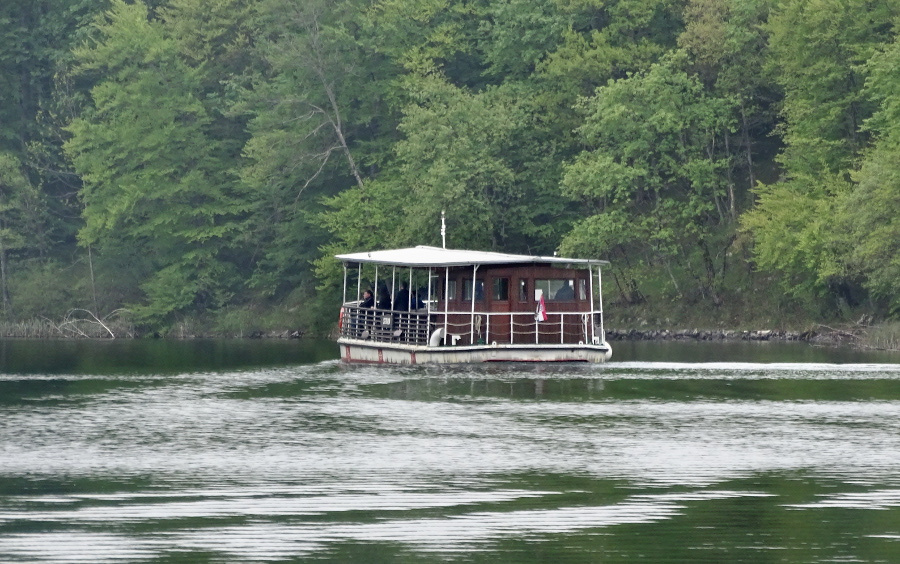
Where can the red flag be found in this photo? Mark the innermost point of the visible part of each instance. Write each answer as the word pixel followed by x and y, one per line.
pixel 541 313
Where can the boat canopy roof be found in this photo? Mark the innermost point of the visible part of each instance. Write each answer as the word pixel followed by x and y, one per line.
pixel 424 257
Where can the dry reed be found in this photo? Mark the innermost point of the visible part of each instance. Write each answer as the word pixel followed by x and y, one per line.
pixel 78 324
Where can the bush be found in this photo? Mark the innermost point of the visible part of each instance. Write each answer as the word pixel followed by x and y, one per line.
pixel 886 336
pixel 44 289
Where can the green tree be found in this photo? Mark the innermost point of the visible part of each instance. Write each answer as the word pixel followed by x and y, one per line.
pixel 451 158
pixel 36 100
pixel 818 51
pixel 516 35
pixel 726 42
pixel 794 232
pixel 652 176
pixel 871 212
pixel 215 37
pixel 154 183
pixel 21 211
pixel 610 38
pixel 319 123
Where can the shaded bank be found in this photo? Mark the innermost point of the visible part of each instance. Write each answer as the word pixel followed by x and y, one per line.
pixel 881 337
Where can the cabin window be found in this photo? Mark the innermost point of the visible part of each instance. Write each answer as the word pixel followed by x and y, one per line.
pixel 501 289
pixel 479 290
pixel 523 290
pixel 557 289
pixel 451 290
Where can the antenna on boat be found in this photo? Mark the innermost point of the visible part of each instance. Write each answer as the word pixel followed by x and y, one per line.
pixel 443 230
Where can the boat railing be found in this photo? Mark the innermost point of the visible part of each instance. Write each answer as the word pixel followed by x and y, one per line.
pixel 386 326
pixel 467 328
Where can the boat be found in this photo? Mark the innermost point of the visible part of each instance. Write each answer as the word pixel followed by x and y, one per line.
pixel 434 305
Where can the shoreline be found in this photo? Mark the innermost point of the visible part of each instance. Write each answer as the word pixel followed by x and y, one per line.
pixel 825 336
pixel 718 335
pixel 858 336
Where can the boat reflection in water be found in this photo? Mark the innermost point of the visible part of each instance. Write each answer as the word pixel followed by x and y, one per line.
pixel 454 306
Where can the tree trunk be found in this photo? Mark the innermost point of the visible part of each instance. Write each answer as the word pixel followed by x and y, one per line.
pixel 745 130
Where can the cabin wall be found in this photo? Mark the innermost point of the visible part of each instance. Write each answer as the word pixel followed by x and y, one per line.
pixel 517 279
pixel 506 304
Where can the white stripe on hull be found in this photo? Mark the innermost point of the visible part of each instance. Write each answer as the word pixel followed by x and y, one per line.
pixel 353 350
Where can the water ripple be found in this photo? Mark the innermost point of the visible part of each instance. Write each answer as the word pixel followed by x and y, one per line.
pixel 721 460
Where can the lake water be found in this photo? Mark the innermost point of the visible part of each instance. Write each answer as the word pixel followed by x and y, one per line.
pixel 241 451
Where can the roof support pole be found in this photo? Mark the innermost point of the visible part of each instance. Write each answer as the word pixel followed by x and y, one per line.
pixel 591 291
pixel 472 317
pixel 428 301
pixel 446 302
pixel 600 293
pixel 344 300
pixel 393 287
pixel 358 280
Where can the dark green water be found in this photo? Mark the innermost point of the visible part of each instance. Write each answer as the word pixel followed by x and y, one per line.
pixel 241 451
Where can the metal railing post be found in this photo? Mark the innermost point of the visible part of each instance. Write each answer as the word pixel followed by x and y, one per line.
pixel 562 328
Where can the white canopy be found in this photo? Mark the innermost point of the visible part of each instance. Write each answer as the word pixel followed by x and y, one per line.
pixel 424 257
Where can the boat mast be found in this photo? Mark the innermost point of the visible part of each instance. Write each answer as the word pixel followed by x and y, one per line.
pixel 446 277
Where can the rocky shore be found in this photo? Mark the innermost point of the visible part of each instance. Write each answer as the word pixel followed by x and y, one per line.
pixel 824 336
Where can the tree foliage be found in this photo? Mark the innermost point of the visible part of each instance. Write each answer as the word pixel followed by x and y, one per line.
pixel 22 220
pixel 655 165
pixel 153 178
pixel 872 210
pixel 188 156
pixel 818 53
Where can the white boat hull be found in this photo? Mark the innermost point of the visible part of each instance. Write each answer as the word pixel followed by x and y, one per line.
pixel 355 350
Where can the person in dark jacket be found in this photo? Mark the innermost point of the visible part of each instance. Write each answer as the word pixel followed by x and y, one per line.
pixel 384 298
pixel 401 300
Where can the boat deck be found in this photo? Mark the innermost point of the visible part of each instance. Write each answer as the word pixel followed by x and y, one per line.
pixel 423 328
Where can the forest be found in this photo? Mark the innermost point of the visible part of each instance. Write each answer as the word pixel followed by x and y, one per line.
pixel 199 162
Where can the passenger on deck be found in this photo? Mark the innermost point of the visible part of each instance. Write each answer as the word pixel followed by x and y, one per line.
pixel 566 292
pixel 401 300
pixel 415 301
pixel 368 299
pixel 384 299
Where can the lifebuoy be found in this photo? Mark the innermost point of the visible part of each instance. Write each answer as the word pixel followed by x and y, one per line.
pixel 341 319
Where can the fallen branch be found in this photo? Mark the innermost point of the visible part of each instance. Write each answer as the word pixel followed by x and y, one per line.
pixel 71 323
pixel 840 332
